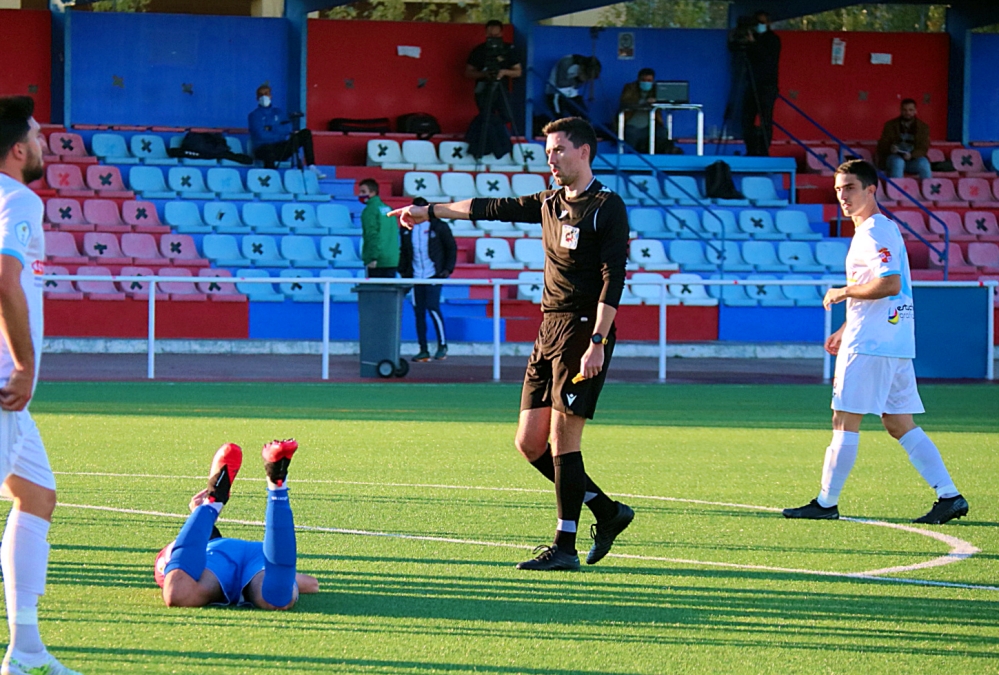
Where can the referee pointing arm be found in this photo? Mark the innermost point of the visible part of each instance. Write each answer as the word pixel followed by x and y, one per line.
pixel 585 236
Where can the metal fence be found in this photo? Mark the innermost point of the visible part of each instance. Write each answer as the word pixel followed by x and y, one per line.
pixel 497 285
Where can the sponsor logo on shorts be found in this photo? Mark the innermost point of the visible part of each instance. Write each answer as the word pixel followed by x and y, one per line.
pixel 885 255
pixel 570 398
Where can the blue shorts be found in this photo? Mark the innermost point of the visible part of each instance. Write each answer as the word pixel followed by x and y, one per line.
pixel 235 562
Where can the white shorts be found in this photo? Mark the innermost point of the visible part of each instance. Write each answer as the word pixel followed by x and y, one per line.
pixel 875 385
pixel 22 452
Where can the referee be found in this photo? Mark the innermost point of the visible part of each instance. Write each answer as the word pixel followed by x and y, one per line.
pixel 585 235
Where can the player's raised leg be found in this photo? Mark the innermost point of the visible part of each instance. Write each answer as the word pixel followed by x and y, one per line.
pixel 187 582
pixel 277 586
pixel 925 457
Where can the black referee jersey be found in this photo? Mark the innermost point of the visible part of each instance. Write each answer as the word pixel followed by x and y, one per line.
pixel 585 240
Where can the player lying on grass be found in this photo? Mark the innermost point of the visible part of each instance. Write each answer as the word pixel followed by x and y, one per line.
pixel 201 567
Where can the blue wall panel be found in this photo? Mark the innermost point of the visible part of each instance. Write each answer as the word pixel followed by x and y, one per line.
pixel 698 56
pixel 770 324
pixel 172 70
pixel 983 122
pixel 952 332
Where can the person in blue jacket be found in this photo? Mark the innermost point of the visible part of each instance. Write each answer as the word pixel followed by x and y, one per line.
pixel 272 135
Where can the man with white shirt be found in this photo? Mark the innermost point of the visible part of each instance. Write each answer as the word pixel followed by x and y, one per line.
pixel 874 350
pixel 26 474
pixel 427 251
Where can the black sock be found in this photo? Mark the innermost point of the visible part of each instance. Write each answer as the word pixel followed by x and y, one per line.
pixel 570 486
pixel 602 506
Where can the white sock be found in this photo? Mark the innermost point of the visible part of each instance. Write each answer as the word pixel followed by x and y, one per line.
pixel 566 525
pixel 840 457
pixel 24 556
pixel 275 486
pixel 926 458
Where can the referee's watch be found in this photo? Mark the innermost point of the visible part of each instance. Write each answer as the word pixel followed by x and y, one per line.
pixel 598 339
pixel 430 212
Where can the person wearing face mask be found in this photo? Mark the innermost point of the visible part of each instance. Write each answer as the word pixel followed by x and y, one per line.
pixel 379 233
pixel 636 97
pixel 763 53
pixel 272 135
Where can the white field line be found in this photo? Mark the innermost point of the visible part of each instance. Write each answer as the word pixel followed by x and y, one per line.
pixel 959 549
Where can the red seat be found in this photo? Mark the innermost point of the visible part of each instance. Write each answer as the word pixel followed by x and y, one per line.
pixel 137 290
pixel 67 180
pixel 978 192
pixel 181 250
pixel 816 166
pixel 60 249
pixel 955 259
pixel 180 290
pixel 969 162
pixel 895 188
pixel 67 215
pixel 106 180
pixel 70 148
pixel 219 291
pixel 60 289
pixel 98 290
pixel 103 214
pixel 142 248
pixel 883 199
pixel 982 224
pixel 954 223
pixel 104 247
pixel 916 223
pixel 142 216
pixel 985 256
pixel 47 153
pixel 940 191
pixel 935 155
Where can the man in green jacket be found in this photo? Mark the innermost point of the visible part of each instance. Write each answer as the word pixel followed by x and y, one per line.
pixel 380 234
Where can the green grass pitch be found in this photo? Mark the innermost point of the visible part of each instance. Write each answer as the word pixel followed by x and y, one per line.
pixel 437 461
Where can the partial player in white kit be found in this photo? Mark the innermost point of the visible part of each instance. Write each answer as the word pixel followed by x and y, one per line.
pixel 27 477
pixel 874 350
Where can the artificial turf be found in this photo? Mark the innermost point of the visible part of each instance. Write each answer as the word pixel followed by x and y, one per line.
pixel 437 462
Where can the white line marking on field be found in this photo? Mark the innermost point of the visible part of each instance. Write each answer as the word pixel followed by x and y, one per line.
pixel 959 549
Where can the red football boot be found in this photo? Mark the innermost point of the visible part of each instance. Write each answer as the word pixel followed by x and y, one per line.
pixel 277 456
pixel 225 466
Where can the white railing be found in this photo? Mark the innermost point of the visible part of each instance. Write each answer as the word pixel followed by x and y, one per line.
pixel 497 285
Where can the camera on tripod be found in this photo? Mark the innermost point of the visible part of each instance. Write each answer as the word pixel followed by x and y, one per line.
pixel 742 35
pixel 495 56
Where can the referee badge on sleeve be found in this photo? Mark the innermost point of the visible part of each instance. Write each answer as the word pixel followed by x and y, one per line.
pixel 570 237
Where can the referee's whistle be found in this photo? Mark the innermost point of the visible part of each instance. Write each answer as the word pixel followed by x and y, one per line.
pixel 578 378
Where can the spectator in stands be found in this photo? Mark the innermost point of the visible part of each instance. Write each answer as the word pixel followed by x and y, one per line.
pixel 763 53
pixel 636 97
pixel 904 143
pixel 427 251
pixel 566 81
pixel 380 234
pixel 273 137
pixel 493 60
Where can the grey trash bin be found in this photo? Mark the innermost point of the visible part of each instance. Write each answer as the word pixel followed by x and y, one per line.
pixel 379 308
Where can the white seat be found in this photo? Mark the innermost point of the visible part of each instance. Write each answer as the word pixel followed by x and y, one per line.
pixel 530 252
pixel 523 184
pixel 499 228
pixel 456 154
pixel 505 163
pixel 465 228
pixel 532 230
pixel 493 185
pixel 423 155
pixel 650 292
pixel 688 293
pixel 458 185
pixel 650 255
pixel 386 153
pixel 531 155
pixel 423 184
pixel 530 285
pixel 495 252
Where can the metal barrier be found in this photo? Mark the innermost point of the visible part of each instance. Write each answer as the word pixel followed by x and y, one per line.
pixel 497 285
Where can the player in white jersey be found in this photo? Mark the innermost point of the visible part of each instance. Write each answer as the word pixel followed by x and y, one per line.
pixel 874 350
pixel 26 475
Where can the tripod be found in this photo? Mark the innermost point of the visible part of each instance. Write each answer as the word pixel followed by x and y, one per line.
pixel 743 74
pixel 487 111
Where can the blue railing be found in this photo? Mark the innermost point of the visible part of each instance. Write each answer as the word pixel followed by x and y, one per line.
pixel 841 146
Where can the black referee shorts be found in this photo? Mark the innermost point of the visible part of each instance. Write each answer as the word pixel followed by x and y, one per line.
pixel 563 339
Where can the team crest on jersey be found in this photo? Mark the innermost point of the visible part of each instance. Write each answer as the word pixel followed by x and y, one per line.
pixel 885 255
pixel 23 232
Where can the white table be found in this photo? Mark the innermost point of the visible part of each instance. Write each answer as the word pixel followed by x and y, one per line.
pixel 670 108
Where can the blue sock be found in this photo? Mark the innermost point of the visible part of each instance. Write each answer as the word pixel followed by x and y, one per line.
pixel 279 549
pixel 190 551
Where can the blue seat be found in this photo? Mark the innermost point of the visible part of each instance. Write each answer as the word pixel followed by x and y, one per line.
pixel 312 187
pixel 295 183
pixel 684 190
pixel 648 223
pixel 768 295
pixel 803 296
pixel 301 219
pixel 798 254
pixel 150 149
pixel 684 224
pixel 236 147
pixel 727 256
pixel 177 140
pixel 189 182
pixel 689 255
pixel 339 251
pixel 263 218
pixel 759 225
pixel 228 184
pixel 721 224
pixel 731 296
pixel 343 292
pixel 184 218
pixel 337 219
pixel 297 291
pixel 111 149
pixel 266 184
pixel 760 190
pixel 832 254
pixel 224 218
pixel 148 182
pixel 223 250
pixel 617 184
pixel 301 251
pixel 263 251
pixel 795 225
pixel 763 257
pixel 645 188
pixel 257 292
